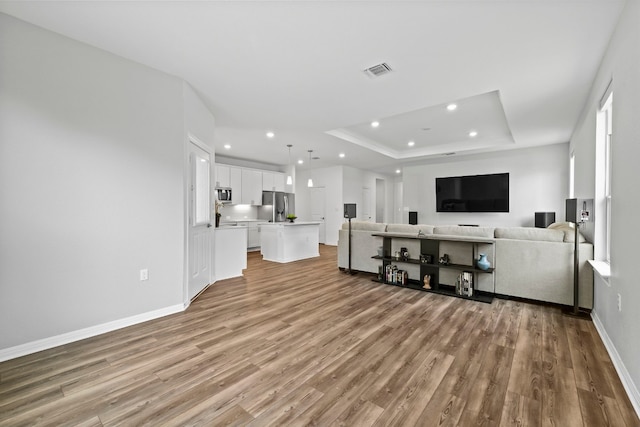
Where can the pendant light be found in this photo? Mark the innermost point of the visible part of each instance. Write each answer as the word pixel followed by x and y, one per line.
pixel 310 181
pixel 289 178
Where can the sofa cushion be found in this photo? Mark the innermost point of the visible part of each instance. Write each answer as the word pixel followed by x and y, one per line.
pixel 410 228
pixel 365 226
pixel 569 232
pixel 461 230
pixel 530 233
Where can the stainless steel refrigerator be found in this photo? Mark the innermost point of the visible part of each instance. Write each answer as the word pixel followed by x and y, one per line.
pixel 276 205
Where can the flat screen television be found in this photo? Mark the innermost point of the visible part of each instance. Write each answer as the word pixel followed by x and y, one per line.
pixel 474 193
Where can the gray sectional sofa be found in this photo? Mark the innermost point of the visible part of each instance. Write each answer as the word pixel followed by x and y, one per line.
pixel 532 263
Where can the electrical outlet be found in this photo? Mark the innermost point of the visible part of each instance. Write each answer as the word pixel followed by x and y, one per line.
pixel 144 274
pixel 619 303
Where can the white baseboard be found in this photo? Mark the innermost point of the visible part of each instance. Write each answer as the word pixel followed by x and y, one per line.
pixel 625 378
pixel 92 331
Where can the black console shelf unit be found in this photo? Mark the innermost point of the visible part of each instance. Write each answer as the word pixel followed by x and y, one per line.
pixel 430 244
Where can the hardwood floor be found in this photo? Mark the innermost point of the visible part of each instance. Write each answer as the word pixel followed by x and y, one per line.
pixel 304 344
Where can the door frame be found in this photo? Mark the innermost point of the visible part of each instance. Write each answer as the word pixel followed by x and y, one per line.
pixel 192 139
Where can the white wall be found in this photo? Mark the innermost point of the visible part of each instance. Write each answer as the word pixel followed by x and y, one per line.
pixel 621 65
pixel 538 181
pixel 92 186
pixel 398 195
pixel 369 181
pixel 352 185
pixel 331 180
pixel 251 164
pixel 342 184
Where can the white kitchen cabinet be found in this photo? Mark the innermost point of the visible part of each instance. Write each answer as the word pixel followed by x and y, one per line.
pixel 222 176
pixel 278 181
pixel 253 235
pixel 251 188
pixel 253 232
pixel 268 181
pixel 273 181
pixel 235 182
pixel 246 184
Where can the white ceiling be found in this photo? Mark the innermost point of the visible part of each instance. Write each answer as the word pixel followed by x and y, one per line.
pixel 519 70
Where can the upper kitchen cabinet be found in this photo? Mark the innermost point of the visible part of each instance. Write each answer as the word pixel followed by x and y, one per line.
pixel 279 180
pixel 273 181
pixel 251 188
pixel 222 176
pixel 235 182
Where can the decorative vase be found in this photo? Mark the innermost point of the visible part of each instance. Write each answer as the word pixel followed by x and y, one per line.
pixel 483 263
pixel 291 219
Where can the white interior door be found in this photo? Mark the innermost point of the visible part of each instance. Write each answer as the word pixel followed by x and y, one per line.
pixel 318 210
pixel 200 231
pixel 366 204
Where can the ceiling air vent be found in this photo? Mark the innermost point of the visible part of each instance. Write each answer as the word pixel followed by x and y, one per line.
pixel 378 70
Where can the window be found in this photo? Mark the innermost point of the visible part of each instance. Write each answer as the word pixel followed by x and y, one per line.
pixel 200 190
pixel 572 175
pixel 606 129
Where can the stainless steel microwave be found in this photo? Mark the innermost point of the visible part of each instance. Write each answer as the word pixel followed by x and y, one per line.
pixel 224 194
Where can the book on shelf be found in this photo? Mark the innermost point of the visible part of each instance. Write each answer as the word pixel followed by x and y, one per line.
pixel 396 276
pixel 464 284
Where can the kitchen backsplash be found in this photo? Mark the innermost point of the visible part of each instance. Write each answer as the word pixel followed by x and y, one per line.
pixel 236 212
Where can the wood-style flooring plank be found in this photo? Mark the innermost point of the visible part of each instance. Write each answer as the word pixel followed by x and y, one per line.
pixel 306 344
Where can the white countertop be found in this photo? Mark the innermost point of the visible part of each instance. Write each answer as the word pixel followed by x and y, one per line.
pixel 224 221
pixel 231 227
pixel 290 224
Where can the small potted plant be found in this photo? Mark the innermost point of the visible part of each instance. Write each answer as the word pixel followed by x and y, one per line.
pixel 291 217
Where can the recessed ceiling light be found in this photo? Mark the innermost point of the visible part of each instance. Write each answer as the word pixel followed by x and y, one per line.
pixel 270 134
pixel 227 146
pixel 341 155
pixel 451 107
pixel 473 133
pixel 411 143
pixel 375 124
pixel 300 162
pixel 398 171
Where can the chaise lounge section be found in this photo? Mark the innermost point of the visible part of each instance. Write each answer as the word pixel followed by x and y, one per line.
pixel 531 263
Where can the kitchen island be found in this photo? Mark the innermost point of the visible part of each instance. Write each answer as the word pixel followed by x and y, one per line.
pixel 289 241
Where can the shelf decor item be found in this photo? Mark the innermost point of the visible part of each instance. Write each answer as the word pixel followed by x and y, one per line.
pixel 444 260
pixel 404 253
pixel 464 284
pixel 426 259
pixel 427 281
pixel 483 263
pixel 291 217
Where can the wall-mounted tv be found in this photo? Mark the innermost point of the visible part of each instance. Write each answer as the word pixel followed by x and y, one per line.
pixel 474 193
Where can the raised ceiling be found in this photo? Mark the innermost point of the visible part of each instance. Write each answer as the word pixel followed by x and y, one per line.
pixel 519 71
pixel 466 124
